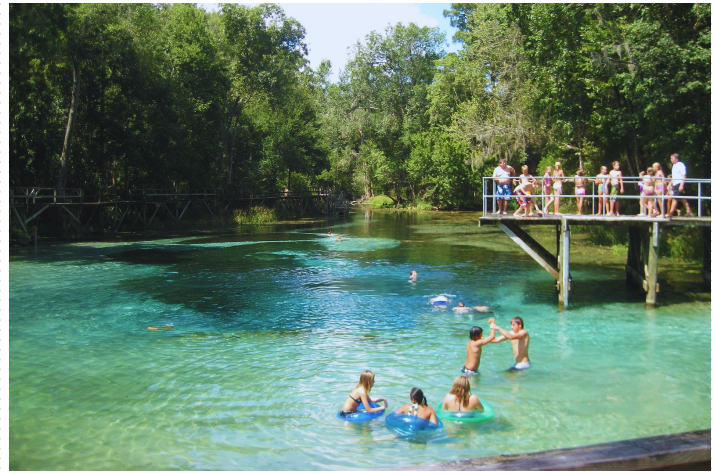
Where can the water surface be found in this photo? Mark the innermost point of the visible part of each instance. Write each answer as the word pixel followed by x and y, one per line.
pixel 272 329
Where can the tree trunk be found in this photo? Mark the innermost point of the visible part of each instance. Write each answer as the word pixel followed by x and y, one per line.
pixel 69 132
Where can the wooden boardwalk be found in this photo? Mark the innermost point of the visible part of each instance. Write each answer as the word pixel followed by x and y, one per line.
pixel 643 244
pixel 137 209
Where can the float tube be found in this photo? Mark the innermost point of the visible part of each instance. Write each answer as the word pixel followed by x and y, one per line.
pixel 411 424
pixel 467 416
pixel 440 300
pixel 361 415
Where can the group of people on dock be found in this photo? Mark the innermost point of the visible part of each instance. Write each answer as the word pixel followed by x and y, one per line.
pixel 659 194
pixel 459 398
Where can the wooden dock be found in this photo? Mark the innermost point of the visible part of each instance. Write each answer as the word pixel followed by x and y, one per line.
pixel 643 243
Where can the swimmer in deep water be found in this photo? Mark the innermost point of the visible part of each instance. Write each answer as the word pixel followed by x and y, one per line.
pixel 461 308
pixel 474 349
pixel 519 338
pixel 418 407
pixel 413 275
pixel 162 328
pixel 361 394
pixel 440 300
pixel 330 232
pixel 460 397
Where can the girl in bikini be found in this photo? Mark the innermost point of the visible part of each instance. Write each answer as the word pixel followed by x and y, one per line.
pixel 361 394
pixel 418 406
pixel 460 397
pixel 547 188
pixel 659 188
pixel 558 177
pixel 602 183
pixel 648 193
pixel 580 182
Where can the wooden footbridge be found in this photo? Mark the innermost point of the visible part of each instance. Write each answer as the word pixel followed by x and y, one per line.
pixel 79 210
pixel 643 239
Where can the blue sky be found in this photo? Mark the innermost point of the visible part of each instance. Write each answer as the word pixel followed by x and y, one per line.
pixel 332 28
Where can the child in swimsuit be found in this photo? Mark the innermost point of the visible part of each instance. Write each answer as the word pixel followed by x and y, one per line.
pixel 418 406
pixel 659 189
pixel 616 178
pixel 558 176
pixel 602 183
pixel 460 397
pixel 547 188
pixel 361 394
pixel 580 190
pixel 641 201
pixel 648 193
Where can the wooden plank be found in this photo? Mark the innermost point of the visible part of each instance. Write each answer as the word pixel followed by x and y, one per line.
pixel 681 451
pixel 532 247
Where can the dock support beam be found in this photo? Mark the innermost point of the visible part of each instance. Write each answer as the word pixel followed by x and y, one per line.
pixel 564 252
pixel 642 265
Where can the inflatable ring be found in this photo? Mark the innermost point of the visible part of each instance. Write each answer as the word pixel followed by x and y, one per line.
pixel 360 415
pixel 467 416
pixel 411 424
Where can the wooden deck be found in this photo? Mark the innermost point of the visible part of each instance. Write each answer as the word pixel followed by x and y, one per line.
pixel 689 451
pixel 595 220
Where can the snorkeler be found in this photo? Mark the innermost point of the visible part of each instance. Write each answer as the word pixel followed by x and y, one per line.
pixel 519 338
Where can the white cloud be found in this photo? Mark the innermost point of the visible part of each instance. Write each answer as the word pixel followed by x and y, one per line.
pixel 331 29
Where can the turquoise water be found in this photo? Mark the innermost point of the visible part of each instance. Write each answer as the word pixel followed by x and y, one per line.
pixel 272 329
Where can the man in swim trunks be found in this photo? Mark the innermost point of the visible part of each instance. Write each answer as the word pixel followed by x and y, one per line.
pixel 616 181
pixel 474 349
pixel 519 342
pixel 502 175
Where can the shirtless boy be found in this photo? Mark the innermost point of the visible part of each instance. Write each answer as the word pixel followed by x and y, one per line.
pixel 616 186
pixel 474 349
pixel 519 341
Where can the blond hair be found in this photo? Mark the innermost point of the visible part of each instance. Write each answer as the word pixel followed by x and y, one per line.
pixel 461 390
pixel 367 380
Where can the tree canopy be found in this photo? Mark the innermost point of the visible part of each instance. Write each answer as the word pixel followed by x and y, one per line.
pixel 127 96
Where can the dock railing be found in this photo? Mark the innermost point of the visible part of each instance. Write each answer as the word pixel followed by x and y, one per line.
pixel 698 191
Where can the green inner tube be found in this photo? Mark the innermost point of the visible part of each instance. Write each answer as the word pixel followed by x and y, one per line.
pixel 467 416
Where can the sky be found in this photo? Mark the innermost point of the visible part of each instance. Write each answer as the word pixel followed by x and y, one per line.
pixel 332 28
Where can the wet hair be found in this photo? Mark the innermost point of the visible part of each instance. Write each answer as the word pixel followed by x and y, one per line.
pixel 518 320
pixel 461 389
pixel 417 395
pixel 475 332
pixel 524 169
pixel 367 380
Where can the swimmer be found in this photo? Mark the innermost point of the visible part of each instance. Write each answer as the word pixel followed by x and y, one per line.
pixel 163 328
pixel 413 275
pixel 361 394
pixel 418 407
pixel 519 338
pixel 474 349
pixel 338 238
pixel 440 300
pixel 330 232
pixel 460 397
pixel 461 308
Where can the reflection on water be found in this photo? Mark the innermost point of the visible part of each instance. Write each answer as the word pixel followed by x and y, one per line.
pixel 271 331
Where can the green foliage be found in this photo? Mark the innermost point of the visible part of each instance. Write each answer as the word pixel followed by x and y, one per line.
pixel 380 202
pixel 255 215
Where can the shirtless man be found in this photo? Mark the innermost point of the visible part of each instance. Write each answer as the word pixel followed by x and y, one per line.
pixel 616 185
pixel 502 175
pixel 519 341
pixel 474 349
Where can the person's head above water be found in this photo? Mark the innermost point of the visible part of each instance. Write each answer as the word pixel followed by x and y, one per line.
pixel 418 397
pixel 519 321
pixel 475 332
pixel 367 380
pixel 461 389
pixel 461 304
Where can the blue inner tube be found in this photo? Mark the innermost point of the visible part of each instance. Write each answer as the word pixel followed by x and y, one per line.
pixel 467 416
pixel 360 415
pixel 411 424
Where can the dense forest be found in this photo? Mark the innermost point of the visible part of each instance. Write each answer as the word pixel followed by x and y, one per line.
pixel 129 96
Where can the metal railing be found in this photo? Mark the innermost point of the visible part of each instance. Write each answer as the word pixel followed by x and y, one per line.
pixel 701 195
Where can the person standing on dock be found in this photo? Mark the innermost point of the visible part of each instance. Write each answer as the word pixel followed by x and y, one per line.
pixel 502 174
pixel 519 338
pixel 616 186
pixel 678 185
